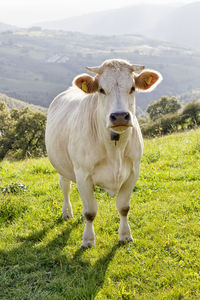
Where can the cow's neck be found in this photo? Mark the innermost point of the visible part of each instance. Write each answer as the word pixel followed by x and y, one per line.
pixel 117 144
pixel 114 137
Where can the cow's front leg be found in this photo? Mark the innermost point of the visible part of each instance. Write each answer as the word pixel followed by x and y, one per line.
pixel 123 206
pixel 85 187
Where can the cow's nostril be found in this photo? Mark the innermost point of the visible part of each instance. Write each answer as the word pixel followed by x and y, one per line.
pixel 113 118
pixel 127 117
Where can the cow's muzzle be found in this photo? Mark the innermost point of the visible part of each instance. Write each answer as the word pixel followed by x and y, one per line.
pixel 120 119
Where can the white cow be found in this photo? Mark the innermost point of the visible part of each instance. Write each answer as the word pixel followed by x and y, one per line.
pixel 93 138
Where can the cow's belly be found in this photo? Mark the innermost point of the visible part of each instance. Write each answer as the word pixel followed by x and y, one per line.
pixel 110 176
pixel 59 158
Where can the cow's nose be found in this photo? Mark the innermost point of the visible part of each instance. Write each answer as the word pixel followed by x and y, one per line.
pixel 120 118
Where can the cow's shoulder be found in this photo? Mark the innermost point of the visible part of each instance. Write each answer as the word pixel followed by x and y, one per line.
pixel 65 98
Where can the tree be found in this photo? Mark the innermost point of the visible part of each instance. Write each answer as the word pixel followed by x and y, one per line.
pixel 163 106
pixel 4 118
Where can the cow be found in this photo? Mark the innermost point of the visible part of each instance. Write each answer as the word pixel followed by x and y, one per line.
pixel 93 138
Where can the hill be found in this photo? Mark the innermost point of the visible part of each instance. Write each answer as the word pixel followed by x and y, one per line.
pixel 40 255
pixel 18 104
pixel 176 24
pixel 6 27
pixel 37 64
pixel 193 94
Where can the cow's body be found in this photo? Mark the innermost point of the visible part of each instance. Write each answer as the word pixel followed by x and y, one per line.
pixel 79 146
pixel 70 143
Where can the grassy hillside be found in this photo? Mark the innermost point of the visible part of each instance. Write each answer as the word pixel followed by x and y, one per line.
pixel 36 65
pixel 18 104
pixel 40 255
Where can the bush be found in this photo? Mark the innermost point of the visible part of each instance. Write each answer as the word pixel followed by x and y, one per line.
pixel 192 111
pixel 161 126
pixel 24 135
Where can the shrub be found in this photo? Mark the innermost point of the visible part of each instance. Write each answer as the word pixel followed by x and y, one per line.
pixel 188 118
pixel 24 135
pixel 192 111
pixel 161 126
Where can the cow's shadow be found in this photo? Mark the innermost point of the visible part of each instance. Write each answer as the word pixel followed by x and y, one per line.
pixel 63 277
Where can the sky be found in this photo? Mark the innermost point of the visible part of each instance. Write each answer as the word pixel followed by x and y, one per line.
pixel 28 12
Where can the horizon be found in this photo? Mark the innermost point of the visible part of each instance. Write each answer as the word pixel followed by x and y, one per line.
pixel 25 14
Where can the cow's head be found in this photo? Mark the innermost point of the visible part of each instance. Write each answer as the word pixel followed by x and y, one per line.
pixel 116 82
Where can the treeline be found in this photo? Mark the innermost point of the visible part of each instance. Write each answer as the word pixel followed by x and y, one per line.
pixel 167 115
pixel 22 133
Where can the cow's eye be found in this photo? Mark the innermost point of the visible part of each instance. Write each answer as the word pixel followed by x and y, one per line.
pixel 101 90
pixel 132 90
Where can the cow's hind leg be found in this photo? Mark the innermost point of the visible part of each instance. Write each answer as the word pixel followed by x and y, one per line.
pixel 67 211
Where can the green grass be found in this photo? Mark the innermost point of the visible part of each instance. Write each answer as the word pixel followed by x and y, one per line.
pixel 40 255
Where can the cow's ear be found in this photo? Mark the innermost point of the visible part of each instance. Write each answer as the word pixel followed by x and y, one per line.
pixel 86 83
pixel 147 80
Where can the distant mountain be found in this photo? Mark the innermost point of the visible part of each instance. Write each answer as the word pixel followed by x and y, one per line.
pixel 180 25
pixel 18 104
pixel 135 19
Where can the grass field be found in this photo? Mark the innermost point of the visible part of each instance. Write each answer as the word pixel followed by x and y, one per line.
pixel 40 255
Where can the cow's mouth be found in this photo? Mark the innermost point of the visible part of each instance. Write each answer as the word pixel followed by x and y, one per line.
pixel 119 128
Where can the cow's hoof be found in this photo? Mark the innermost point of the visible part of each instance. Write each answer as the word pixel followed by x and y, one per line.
pixel 87 245
pixel 67 216
pixel 125 239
